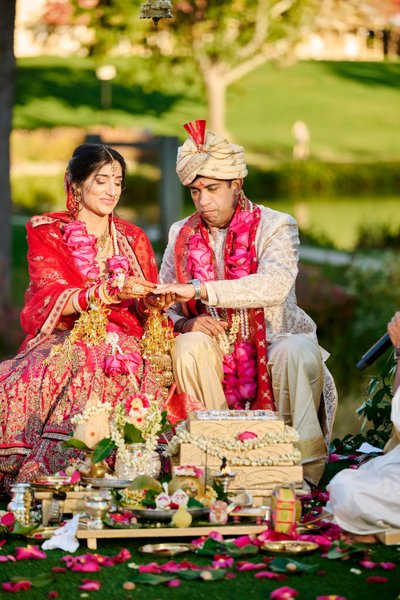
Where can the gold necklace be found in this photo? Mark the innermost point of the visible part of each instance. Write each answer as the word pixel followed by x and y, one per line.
pixel 103 239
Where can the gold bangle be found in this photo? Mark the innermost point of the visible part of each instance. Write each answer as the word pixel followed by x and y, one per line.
pixel 105 296
pixel 75 301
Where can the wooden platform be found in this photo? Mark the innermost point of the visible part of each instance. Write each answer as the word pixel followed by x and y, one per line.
pixel 147 533
pixel 391 537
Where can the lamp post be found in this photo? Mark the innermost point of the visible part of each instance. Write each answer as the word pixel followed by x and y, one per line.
pixel 105 74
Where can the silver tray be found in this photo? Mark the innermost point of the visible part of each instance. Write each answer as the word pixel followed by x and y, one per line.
pixel 156 514
pixel 105 482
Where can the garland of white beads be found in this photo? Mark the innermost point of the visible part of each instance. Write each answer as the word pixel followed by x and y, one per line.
pixel 218 447
pixel 92 411
pixel 226 340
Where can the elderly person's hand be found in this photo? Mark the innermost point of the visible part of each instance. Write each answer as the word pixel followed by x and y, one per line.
pixel 394 329
pixel 135 288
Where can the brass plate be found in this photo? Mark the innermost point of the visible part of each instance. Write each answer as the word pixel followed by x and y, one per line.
pixel 107 482
pixel 53 482
pixel 41 533
pixel 290 547
pixel 155 514
pixel 170 549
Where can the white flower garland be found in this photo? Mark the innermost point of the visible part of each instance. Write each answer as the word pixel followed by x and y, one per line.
pixel 92 411
pixel 218 447
pixel 149 432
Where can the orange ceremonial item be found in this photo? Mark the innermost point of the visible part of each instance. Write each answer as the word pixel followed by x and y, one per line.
pixel 284 509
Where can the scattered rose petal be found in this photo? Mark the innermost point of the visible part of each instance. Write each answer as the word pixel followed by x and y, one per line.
pixel 59 569
pixel 90 585
pixel 356 571
pixel 269 575
pixel 132 565
pixel 89 567
pixel 53 595
pixel 377 579
pixel 387 566
pixel 16 586
pixel 206 575
pixel 129 585
pixel 330 597
pixel 230 575
pixel 249 566
pixel 29 552
pixel 6 558
pixel 284 593
pixel 368 564
pixel 122 556
pixel 174 583
pixel 150 568
pixel 223 562
pixel 7 520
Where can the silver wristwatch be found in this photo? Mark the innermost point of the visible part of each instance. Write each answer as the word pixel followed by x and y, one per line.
pixel 197 288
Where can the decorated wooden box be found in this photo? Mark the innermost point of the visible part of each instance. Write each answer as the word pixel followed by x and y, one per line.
pixel 255 445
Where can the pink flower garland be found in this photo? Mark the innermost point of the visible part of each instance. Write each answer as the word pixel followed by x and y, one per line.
pixel 240 367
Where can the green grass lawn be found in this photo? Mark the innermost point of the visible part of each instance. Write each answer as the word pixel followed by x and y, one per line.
pixel 351 108
pixel 332 577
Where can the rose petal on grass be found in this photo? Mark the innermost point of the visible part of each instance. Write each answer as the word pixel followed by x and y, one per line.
pixel 29 552
pixel 90 585
pixel 16 586
pixel 244 565
pixel 387 566
pixel 377 579
pixel 270 575
pixel 284 593
pixel 53 595
pixel 174 583
pixel 59 569
pixel 368 564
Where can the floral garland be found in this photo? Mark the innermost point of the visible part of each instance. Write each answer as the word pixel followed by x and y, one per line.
pixel 219 446
pixel 92 411
pixel 240 363
pixel 149 425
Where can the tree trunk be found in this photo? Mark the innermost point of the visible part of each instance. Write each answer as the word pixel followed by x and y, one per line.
pixel 216 97
pixel 7 88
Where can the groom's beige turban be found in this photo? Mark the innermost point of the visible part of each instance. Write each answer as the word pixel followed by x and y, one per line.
pixel 208 154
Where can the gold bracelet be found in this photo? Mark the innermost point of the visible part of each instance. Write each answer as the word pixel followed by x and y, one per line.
pixel 105 296
pixel 75 301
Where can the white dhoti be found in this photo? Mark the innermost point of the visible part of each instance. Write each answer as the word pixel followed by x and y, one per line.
pixel 366 501
pixel 297 374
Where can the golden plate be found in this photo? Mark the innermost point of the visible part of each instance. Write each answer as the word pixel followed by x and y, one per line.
pixel 290 547
pixel 41 533
pixel 170 549
pixel 53 482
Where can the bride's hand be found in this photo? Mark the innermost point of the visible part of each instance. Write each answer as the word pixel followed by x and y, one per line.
pixel 135 288
pixel 162 301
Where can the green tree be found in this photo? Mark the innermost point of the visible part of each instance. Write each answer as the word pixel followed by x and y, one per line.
pixel 226 39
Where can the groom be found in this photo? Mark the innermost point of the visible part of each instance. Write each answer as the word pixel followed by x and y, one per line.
pixel 244 342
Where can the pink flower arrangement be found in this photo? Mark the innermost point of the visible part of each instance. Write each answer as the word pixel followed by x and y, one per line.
pixel 240 370
pixel 122 364
pixel 82 247
pixel 200 258
pixel 136 402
